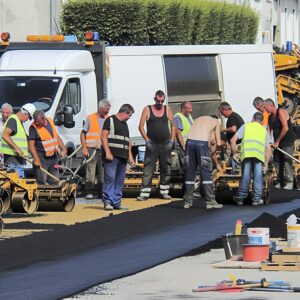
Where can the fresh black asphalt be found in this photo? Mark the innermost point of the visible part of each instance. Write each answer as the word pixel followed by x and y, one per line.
pixel 69 259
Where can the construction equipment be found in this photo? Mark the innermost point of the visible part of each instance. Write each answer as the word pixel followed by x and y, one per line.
pixel 224 180
pixel 287 67
pixel 24 195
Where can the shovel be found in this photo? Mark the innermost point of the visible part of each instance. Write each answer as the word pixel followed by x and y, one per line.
pixel 59 182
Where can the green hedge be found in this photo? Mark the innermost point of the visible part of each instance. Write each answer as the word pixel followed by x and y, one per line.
pixel 161 22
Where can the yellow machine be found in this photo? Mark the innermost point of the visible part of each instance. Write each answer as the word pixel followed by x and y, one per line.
pixel 224 180
pixel 23 195
pixel 287 67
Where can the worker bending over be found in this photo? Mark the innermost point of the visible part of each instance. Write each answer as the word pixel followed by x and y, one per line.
pixel 258 103
pixel 281 128
pixel 159 144
pixel 198 155
pixel 44 146
pixel 234 122
pixel 14 139
pixel 253 155
pixel 91 141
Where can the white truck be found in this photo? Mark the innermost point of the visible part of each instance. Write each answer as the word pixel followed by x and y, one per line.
pixel 67 80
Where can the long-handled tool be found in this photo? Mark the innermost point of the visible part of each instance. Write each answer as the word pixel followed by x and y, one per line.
pixel 289 155
pixel 277 289
pixel 60 182
pixel 220 287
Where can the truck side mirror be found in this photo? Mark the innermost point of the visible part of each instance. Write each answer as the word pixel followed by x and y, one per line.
pixel 68 113
pixel 58 119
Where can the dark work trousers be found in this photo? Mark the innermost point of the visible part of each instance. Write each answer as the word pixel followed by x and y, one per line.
pixel 162 152
pixel 114 178
pixel 93 168
pixel 48 163
pixel 284 165
pixel 198 154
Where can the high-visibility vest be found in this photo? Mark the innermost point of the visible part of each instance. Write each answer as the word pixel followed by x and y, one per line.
pixel 254 142
pixel 49 142
pixel 266 119
pixel 20 139
pixel 93 135
pixel 118 144
pixel 185 123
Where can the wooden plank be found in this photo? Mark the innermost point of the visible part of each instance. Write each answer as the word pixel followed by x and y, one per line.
pixel 281 267
pixel 285 258
pixel 230 264
pixel 291 250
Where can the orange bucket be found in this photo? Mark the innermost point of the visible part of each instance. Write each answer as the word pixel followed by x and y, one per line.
pixel 255 252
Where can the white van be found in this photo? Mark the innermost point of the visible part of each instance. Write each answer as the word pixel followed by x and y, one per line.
pixel 67 80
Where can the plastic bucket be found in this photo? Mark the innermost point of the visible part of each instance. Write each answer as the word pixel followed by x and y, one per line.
pixel 141 153
pixel 233 246
pixel 258 236
pixel 255 252
pixel 293 236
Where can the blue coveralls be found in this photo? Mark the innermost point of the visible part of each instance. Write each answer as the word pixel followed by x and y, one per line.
pixel 198 154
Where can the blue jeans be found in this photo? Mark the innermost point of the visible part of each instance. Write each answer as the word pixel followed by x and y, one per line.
pixel 17 168
pixel 251 166
pixel 114 177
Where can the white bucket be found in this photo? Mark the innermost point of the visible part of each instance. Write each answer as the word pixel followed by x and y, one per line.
pixel 258 236
pixel 141 155
pixel 293 236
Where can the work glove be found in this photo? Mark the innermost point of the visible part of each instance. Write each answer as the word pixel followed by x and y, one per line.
pixel 236 157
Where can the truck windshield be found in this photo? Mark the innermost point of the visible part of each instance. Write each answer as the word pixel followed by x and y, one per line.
pixel 18 91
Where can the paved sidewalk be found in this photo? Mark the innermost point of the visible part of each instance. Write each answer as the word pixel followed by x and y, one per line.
pixel 176 279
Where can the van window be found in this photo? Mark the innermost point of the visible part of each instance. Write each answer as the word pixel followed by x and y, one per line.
pixel 71 95
pixel 19 90
pixel 192 77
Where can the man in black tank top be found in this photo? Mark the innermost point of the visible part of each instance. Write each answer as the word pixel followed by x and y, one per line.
pixel 159 140
pixel 281 128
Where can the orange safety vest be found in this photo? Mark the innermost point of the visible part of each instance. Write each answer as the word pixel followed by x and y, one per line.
pixel 266 118
pixel 50 143
pixel 93 135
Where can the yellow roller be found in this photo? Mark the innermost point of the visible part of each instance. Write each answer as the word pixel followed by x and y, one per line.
pixel 21 203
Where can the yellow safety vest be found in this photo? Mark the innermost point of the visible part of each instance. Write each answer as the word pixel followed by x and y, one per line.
pixel 185 123
pixel 254 142
pixel 20 139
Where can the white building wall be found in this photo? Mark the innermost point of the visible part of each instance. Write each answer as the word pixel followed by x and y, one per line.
pixel 279 20
pixel 23 17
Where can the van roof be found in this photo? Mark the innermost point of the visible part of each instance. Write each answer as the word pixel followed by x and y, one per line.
pixel 45 60
pixel 188 49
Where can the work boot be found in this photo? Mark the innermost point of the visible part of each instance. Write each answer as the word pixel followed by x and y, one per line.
pixel 165 197
pixel 187 205
pixel 141 198
pixel 278 185
pixel 258 202
pixel 238 201
pixel 213 204
pixel 89 196
pixel 108 207
pixel 289 186
pixel 121 208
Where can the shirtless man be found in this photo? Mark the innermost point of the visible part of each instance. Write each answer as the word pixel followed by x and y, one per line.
pixel 198 155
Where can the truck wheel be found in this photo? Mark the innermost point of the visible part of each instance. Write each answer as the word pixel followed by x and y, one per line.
pixel 290 104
